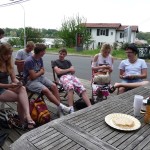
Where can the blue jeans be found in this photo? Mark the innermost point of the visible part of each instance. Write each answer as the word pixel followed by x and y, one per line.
pixel 131 80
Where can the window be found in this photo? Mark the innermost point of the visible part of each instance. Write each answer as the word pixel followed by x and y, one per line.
pixel 103 32
pixel 111 33
pixel 121 35
pixel 98 32
pixel 107 32
pixel 89 31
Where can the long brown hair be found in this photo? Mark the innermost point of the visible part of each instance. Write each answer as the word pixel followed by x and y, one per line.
pixel 6 49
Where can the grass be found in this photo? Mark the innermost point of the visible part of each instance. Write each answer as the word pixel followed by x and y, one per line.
pixel 115 53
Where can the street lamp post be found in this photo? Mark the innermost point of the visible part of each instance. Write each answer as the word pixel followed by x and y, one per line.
pixel 24 26
pixel 24 23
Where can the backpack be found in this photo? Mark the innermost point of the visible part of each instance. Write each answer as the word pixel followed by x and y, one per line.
pixel 39 112
pixel 80 104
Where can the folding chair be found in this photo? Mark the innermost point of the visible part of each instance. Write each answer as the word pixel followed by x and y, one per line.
pixel 61 90
pixel 99 91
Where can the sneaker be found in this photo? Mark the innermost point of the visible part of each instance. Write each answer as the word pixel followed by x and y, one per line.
pixel 143 111
pixel 60 112
pixel 65 109
pixel 71 110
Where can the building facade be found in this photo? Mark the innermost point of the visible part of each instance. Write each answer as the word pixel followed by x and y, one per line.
pixel 111 33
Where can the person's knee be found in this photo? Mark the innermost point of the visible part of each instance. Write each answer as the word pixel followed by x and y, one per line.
pixel 69 87
pixel 45 91
pixel 121 90
pixel 71 91
pixel 145 82
pixel 22 89
pixel 54 87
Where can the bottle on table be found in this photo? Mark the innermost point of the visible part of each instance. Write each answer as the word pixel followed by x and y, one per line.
pixel 147 114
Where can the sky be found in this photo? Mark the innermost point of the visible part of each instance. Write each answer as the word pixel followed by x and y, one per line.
pixel 50 14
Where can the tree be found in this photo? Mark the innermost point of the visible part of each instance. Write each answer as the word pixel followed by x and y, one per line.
pixel 49 33
pixel 32 34
pixel 143 36
pixel 72 26
pixel 14 41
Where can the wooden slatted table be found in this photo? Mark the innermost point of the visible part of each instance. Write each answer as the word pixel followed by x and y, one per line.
pixel 86 129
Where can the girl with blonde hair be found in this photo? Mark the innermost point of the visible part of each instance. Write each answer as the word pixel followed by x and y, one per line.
pixel 103 63
pixel 13 91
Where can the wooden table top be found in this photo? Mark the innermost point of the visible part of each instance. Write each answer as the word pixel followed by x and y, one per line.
pixel 86 129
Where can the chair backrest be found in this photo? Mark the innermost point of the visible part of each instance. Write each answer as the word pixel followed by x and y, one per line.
pixel 20 66
pixel 54 73
pixel 56 81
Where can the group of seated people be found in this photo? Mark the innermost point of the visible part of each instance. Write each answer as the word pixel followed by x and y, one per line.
pixel 132 71
pixel 35 81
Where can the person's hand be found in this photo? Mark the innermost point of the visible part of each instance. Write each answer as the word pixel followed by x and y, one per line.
pixel 103 67
pixel 15 85
pixel 123 76
pixel 19 83
pixel 109 68
pixel 42 71
pixel 106 68
pixel 72 70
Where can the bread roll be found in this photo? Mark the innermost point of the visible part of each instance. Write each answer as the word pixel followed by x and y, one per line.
pixel 123 122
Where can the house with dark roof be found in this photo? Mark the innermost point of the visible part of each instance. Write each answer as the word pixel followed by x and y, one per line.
pixel 111 33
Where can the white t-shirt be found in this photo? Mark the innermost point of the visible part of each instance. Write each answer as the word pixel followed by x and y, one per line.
pixel 103 60
pixel 22 54
pixel 133 68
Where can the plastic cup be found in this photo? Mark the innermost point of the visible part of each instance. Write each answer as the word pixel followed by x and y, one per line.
pixel 138 102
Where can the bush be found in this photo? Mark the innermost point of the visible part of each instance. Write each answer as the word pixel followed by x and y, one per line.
pixel 119 54
pixel 124 45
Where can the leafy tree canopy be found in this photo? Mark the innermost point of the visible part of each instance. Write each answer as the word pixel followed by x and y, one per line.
pixel 69 29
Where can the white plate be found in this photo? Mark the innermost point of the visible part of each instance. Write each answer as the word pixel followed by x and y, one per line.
pixel 109 121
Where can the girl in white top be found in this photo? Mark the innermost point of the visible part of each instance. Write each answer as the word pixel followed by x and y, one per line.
pixel 103 61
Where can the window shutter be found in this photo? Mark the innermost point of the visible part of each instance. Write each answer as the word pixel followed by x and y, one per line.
pixel 107 32
pixel 98 32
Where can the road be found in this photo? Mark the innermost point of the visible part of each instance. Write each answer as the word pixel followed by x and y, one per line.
pixel 82 66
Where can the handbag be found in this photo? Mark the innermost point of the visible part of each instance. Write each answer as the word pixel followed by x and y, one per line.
pixel 101 78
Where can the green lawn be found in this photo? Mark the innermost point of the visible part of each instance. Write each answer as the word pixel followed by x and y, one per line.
pixel 116 53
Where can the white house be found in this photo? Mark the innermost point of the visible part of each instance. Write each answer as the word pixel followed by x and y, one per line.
pixel 5 39
pixel 49 42
pixel 110 33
